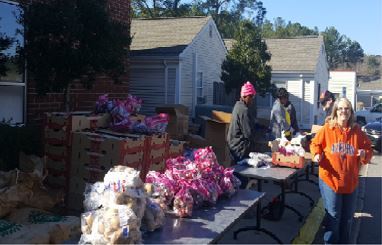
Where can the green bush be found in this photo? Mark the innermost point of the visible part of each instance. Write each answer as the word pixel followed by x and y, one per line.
pixel 15 139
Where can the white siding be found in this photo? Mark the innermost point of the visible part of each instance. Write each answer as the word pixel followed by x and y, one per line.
pixel 343 79
pixel 295 94
pixel 321 78
pixel 209 53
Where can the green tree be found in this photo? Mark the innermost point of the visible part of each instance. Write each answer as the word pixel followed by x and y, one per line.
pixel 68 40
pixel 373 65
pixel 340 50
pixel 334 46
pixel 280 29
pixel 353 53
pixel 247 61
pixel 5 43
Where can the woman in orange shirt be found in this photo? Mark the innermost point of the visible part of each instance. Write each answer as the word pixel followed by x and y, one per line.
pixel 340 147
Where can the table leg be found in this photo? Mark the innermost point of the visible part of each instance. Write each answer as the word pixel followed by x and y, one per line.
pixel 257 227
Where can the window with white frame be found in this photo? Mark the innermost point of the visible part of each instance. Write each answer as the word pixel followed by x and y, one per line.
pixel 12 85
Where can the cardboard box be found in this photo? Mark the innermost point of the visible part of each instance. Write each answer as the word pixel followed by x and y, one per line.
pixel 111 144
pixel 196 141
pixel 292 161
pixel 178 119
pixel 222 116
pixel 176 148
pixel 223 156
pixel 216 128
pixel 106 161
pixel 76 121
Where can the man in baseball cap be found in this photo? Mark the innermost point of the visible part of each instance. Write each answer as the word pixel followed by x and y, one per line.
pixel 327 99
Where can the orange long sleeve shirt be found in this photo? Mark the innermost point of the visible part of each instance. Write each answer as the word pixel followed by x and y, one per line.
pixel 339 165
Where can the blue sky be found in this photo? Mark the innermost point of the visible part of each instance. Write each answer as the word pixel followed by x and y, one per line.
pixel 359 20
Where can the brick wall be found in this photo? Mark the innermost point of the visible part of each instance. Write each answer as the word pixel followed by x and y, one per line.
pixel 80 99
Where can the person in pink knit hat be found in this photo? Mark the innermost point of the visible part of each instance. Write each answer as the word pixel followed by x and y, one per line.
pixel 241 131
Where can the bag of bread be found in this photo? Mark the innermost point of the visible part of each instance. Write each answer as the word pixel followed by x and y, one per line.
pixel 120 178
pixel 92 228
pixel 60 228
pixel 13 233
pixel 93 196
pixel 13 196
pixel 121 225
pixel 137 204
pixel 154 216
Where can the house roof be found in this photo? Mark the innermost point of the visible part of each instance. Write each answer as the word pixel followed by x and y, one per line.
pixel 372 85
pixel 292 54
pixel 164 36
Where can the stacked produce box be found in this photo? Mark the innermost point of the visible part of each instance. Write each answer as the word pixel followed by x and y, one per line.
pixel 94 153
pixel 58 136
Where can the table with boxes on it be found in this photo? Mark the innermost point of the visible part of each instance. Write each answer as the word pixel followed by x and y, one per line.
pixel 79 150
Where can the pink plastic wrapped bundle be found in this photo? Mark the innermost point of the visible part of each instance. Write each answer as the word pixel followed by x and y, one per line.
pixel 205 157
pixel 213 190
pixel 163 187
pixel 226 183
pixel 157 123
pixel 119 112
pixel 122 126
pixel 101 104
pixel 286 152
pixel 133 104
pixel 199 192
pixel 171 162
pixel 183 202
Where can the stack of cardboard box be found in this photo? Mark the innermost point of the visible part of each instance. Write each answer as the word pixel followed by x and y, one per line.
pixel 94 153
pixel 177 126
pixel 216 130
pixel 58 130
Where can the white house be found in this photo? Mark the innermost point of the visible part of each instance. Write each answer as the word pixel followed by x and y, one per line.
pixel 343 84
pixel 299 65
pixel 175 60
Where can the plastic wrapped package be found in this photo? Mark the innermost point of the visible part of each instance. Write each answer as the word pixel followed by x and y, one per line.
pixel 92 228
pixel 13 233
pixel 157 123
pixel 59 228
pixel 93 196
pixel 183 203
pixel 121 225
pixel 120 178
pixel 154 216
pixel 13 196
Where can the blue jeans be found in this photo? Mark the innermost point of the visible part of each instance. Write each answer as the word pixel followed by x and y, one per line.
pixel 339 214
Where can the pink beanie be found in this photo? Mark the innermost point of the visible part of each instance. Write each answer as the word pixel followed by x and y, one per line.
pixel 247 89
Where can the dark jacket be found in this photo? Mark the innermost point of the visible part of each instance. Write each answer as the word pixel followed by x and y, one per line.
pixel 241 132
pixel 293 118
pixel 278 121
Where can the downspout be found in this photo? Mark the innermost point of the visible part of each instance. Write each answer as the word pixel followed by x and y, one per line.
pixel 165 81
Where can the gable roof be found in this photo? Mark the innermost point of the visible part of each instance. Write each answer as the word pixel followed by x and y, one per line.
pixel 372 85
pixel 164 36
pixel 292 54
pixel 295 54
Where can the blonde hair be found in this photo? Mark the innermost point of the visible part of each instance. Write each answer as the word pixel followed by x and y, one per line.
pixel 333 116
